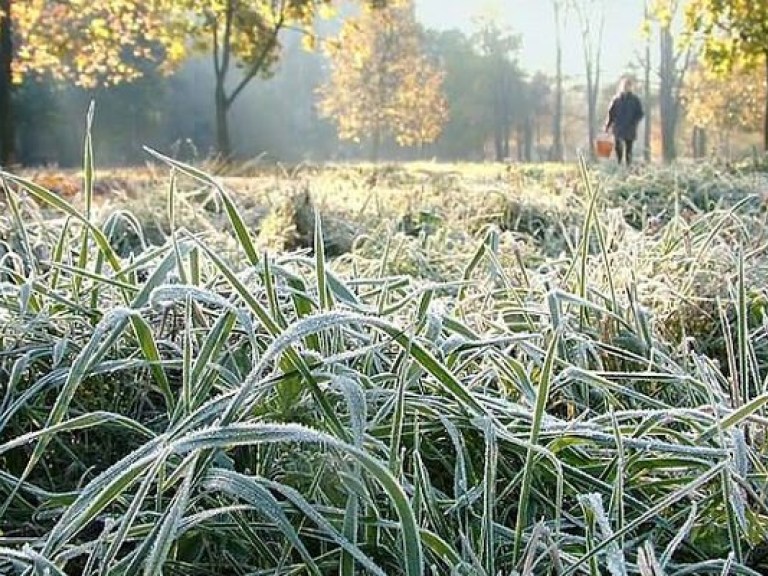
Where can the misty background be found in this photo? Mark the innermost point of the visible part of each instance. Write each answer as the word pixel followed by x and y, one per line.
pixel 277 118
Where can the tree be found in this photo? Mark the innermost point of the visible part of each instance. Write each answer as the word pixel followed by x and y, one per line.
pixel 647 64
pixel 426 115
pixel 734 34
pixel 498 45
pixel 674 61
pixel 591 41
pixel 488 96
pixel 243 35
pixel 723 104
pixel 539 108
pixel 469 124
pixel 382 84
pixel 525 123
pixel 90 42
pixel 7 137
pixel 559 6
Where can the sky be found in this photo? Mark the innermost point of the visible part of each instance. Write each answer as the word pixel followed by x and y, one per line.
pixel 534 21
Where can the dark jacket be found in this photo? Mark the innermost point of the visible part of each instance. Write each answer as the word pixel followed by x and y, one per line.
pixel 624 115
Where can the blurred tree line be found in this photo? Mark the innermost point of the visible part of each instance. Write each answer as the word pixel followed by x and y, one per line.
pixel 492 109
pixel 268 77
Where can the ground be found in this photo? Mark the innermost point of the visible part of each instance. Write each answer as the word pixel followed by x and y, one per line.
pixel 547 368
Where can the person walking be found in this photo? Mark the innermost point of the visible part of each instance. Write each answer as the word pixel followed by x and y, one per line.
pixel 624 115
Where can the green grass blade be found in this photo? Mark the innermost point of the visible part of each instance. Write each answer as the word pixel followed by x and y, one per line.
pixel 489 537
pixel 241 230
pixel 151 354
pixel 128 518
pixel 246 434
pixel 650 513
pixel 88 171
pixel 169 523
pixel 111 484
pixel 249 489
pixel 29 254
pixel 83 422
pixel 742 334
pixel 323 294
pixel 542 397
pixel 55 201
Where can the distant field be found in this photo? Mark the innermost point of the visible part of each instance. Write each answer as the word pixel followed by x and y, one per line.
pixel 464 369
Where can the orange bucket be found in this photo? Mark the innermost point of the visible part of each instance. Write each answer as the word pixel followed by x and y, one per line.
pixel 604 146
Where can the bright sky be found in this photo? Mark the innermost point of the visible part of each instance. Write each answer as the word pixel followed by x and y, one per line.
pixel 534 20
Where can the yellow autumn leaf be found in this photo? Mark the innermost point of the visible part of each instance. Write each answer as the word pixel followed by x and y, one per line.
pixel 327 11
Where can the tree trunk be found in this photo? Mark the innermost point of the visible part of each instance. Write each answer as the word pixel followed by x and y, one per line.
pixel 223 141
pixel 528 139
pixel 699 142
pixel 498 126
pixel 505 153
pixel 222 59
pixel 765 114
pixel 591 48
pixel 7 136
pixel 557 123
pixel 376 145
pixel 668 107
pixel 500 117
pixel 592 116
pixel 537 132
pixel 647 151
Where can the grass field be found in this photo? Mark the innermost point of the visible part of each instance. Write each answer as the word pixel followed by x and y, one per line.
pixel 418 369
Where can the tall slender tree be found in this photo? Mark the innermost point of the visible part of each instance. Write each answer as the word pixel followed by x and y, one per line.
pixel 560 11
pixel 498 46
pixel 591 17
pixel 647 67
pixel 674 61
pixel 539 109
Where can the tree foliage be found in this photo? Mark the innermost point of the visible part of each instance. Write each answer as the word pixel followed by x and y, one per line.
pixel 88 42
pixel 734 34
pixel 382 83
pixel 92 42
pixel 724 103
pixel 464 86
pixel 489 97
